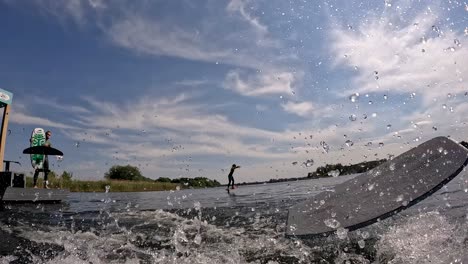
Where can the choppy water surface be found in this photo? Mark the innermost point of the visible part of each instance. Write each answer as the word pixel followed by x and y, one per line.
pixel 210 226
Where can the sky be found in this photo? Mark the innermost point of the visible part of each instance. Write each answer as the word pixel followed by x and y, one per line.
pixel 187 88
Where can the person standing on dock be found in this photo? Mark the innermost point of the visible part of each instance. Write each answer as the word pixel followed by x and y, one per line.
pixel 45 168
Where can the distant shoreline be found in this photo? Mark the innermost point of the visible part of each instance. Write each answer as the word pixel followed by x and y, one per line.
pixel 326 171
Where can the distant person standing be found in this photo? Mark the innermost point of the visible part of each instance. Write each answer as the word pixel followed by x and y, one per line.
pixel 45 167
pixel 230 177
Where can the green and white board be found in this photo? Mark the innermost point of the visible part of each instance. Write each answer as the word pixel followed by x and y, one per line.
pixel 37 139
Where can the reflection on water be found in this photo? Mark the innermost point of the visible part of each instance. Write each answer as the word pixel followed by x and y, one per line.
pixel 212 226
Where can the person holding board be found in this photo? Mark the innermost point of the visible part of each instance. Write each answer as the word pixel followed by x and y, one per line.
pixel 45 164
pixel 230 177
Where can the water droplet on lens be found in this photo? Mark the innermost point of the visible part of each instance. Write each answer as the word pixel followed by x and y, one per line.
pixel 332 223
pixel 399 198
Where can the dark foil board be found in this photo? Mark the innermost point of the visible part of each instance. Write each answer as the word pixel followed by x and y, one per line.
pixel 381 192
pixel 43 150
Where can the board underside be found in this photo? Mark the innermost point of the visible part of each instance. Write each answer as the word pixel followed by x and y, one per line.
pixel 380 192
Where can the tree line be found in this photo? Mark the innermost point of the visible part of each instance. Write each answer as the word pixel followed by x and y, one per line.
pixel 132 173
pixel 339 169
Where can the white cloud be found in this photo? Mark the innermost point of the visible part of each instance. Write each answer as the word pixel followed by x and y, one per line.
pixel 416 56
pixel 192 83
pixel 304 109
pixel 20 115
pixel 239 6
pixel 261 84
pixel 150 37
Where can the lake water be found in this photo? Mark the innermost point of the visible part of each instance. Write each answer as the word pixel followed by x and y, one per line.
pixel 211 226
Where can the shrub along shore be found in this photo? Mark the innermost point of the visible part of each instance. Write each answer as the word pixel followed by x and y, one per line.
pixel 121 179
pixel 100 186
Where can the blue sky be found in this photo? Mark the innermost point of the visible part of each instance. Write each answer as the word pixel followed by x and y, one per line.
pixel 186 88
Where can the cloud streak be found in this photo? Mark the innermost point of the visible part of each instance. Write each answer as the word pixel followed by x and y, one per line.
pixel 416 56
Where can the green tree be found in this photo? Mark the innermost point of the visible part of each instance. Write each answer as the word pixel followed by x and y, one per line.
pixel 128 172
pixel 163 179
pixel 51 175
pixel 66 176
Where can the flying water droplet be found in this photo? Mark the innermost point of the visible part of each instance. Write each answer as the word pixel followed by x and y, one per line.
pixel 334 173
pixel 392 166
pixel 197 240
pixel 325 146
pixel 354 97
pixel 342 233
pixel 349 143
pixel 399 198
pixel 381 144
pixel 362 243
pixel 77 144
pixel 434 128
pixel 294 163
pixel 353 117
pixel 389 126
pixel 385 97
pixel 444 106
pixel 436 29
pixel 308 163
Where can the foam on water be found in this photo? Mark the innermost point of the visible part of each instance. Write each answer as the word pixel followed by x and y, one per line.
pixel 425 238
pixel 164 237
pixel 431 231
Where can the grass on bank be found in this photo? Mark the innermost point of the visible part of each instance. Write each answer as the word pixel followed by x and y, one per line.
pixel 100 186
